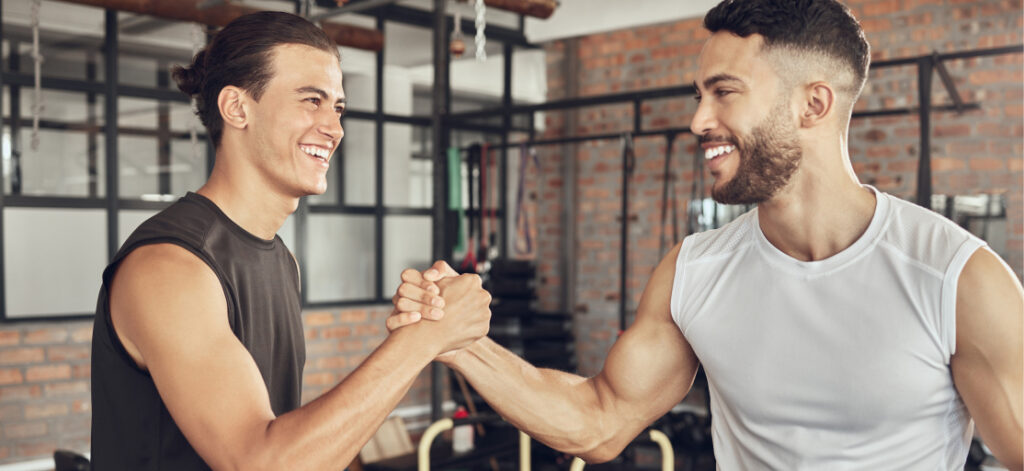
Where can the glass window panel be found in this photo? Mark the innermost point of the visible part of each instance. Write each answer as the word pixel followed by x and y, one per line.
pixel 128 220
pixel 72 108
pixel 360 162
pixel 139 173
pixel 359 79
pixel 407 244
pixel 340 260
pixel 188 165
pixel 66 163
pixel 287 232
pixel 407 169
pixel 53 249
pixel 408 65
pixel 138 71
pixel 184 119
pixel 137 113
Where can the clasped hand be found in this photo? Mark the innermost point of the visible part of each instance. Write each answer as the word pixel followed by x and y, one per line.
pixel 457 305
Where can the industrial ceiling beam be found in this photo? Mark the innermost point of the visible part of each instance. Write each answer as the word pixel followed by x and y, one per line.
pixel 220 15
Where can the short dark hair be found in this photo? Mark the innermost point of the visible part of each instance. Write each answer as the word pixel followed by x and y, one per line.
pixel 240 55
pixel 821 26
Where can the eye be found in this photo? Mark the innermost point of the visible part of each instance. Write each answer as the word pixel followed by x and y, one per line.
pixel 722 92
pixel 697 98
pixel 340 110
pixel 314 100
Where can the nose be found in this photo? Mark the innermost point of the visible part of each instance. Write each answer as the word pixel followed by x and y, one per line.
pixel 330 126
pixel 703 120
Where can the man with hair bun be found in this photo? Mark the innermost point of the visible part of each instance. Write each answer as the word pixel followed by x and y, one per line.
pixel 840 328
pixel 198 344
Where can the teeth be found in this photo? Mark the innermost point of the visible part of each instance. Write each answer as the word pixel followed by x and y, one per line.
pixel 717 151
pixel 315 151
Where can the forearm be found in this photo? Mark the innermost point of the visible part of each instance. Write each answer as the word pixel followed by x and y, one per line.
pixel 328 432
pixel 561 410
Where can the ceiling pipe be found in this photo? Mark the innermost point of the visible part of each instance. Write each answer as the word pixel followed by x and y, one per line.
pixel 536 8
pixel 222 14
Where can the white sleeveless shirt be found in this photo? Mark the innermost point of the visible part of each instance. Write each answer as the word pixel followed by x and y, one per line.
pixel 837 364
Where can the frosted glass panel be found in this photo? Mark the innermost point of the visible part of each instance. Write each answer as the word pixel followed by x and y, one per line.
pixel 407 244
pixel 360 157
pixel 128 220
pixel 340 261
pixel 53 260
pixel 140 174
pixel 188 166
pixel 408 181
pixel 61 165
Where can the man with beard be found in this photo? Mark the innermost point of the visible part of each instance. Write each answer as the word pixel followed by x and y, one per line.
pixel 840 327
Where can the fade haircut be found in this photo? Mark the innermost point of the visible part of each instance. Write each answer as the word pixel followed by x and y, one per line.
pixel 240 55
pixel 801 36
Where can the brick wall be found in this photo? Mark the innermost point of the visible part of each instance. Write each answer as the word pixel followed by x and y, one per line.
pixel 977 152
pixel 44 376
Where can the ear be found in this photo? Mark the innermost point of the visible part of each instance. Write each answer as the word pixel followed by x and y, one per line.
pixel 233 105
pixel 819 102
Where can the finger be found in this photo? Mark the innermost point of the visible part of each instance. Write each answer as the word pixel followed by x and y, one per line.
pixel 409 305
pixel 401 319
pixel 441 269
pixel 416 293
pixel 410 275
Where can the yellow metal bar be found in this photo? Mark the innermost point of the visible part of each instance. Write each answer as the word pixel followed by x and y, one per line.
pixel 577 464
pixel 423 452
pixel 524 451
pixel 667 455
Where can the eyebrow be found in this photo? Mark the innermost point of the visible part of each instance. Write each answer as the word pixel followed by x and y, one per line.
pixel 320 92
pixel 714 79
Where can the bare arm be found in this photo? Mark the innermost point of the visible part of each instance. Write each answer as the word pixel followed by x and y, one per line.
pixel 170 312
pixel 988 367
pixel 648 371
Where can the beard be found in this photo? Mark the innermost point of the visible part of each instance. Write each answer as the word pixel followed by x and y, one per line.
pixel 768 160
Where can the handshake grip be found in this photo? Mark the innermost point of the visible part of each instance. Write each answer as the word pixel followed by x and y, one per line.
pixel 467 311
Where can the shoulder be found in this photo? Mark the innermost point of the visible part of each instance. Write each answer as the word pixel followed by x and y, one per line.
pixel 926 237
pixel 722 241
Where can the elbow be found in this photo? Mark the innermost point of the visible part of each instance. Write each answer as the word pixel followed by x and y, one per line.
pixel 600 449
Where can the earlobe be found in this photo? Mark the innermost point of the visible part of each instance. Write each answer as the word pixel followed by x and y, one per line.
pixel 819 104
pixel 231 103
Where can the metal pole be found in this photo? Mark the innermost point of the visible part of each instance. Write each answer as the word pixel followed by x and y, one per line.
pixel 378 146
pixel 925 66
pixel 3 281
pixel 110 52
pixel 440 142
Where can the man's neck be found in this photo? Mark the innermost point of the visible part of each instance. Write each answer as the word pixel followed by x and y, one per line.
pixel 247 200
pixel 819 214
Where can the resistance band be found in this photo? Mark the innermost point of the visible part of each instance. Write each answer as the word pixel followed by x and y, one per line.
pixel 455 194
pixel 524 241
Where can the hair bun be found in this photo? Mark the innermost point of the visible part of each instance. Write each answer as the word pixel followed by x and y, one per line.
pixel 190 79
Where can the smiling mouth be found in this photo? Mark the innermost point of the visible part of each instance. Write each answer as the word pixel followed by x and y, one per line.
pixel 316 152
pixel 717 151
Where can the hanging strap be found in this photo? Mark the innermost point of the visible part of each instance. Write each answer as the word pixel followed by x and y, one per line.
pixel 455 194
pixel 668 197
pixel 524 241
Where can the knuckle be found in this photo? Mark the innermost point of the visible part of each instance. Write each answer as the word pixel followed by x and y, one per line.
pixel 409 273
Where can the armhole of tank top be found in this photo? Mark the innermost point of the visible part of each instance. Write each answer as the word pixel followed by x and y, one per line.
pixel 109 322
pixel 949 291
pixel 676 301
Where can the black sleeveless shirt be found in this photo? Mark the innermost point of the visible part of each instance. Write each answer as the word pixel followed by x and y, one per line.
pixel 131 428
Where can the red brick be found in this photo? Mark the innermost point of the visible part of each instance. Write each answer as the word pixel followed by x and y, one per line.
pixel 986 163
pixel 37 449
pixel 46 336
pixel 369 330
pixel 25 430
pixel 319 379
pixel 945 164
pixel 82 334
pixel 81 371
pixel 47 372
pixel 953 130
pixel 42 411
pixel 19 393
pixel 353 317
pixel 81 406
pixel 336 332
pixel 66 388
pixel 318 318
pixel 10 376
pixel 1015 164
pixel 8 337
pixel 12 413
pixel 62 353
pixel 19 356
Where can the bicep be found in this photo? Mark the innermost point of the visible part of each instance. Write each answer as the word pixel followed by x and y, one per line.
pixel 988 367
pixel 651 367
pixel 172 308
